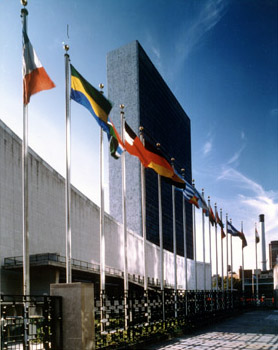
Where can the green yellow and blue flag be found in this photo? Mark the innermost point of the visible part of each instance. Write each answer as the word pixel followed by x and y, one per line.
pixel 84 93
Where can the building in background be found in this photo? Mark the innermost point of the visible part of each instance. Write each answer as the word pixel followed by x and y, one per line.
pixel 134 81
pixel 273 253
pixel 265 282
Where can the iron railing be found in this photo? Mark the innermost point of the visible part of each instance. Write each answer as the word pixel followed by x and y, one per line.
pixel 31 322
pixel 147 315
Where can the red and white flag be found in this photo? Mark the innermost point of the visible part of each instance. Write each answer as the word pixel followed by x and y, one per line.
pixel 257 237
pixel 35 78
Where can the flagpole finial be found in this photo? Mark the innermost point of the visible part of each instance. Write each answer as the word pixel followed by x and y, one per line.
pixel 122 106
pixel 66 47
pixel 24 2
pixel 141 128
pixel 172 161
pixel 101 86
pixel 158 145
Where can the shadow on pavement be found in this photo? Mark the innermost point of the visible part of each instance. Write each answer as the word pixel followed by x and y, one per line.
pixel 252 330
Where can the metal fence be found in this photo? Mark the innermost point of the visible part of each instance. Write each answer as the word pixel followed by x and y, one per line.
pixel 31 322
pixel 35 322
pixel 158 314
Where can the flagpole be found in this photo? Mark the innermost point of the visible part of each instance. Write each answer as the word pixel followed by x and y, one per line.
pixel 124 218
pixel 68 169
pixel 25 206
pixel 144 228
pixel 194 237
pixel 101 227
pixel 243 286
pixel 204 246
pixel 184 245
pixel 210 259
pixel 231 260
pixel 222 259
pixel 216 249
pixel 184 236
pixel 227 252
pixel 257 281
pixel 174 241
pixel 161 241
pixel 253 291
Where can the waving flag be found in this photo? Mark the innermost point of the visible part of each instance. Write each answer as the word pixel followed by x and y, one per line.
pixel 190 194
pixel 202 203
pixel 257 237
pixel 232 230
pixel 211 216
pixel 242 237
pixel 116 143
pixel 176 180
pixel 134 146
pixel 35 78
pixel 84 93
pixel 150 157
pixel 220 223
pixel 162 167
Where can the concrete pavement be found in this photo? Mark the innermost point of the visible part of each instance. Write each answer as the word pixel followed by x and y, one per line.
pixel 252 330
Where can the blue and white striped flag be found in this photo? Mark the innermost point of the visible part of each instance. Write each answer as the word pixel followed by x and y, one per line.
pixel 190 194
pixel 232 230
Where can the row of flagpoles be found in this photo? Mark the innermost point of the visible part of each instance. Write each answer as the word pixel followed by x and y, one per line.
pixel 35 79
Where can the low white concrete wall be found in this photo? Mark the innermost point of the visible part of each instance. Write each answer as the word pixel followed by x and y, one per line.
pixel 47 223
pixel 115 258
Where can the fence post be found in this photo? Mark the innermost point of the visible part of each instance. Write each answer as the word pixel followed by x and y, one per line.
pixel 78 314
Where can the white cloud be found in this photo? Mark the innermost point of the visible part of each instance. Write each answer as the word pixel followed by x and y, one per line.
pixel 156 52
pixel 247 207
pixel 153 45
pixel 207 18
pixel 207 148
pixel 236 156
pixel 235 176
pixel 263 204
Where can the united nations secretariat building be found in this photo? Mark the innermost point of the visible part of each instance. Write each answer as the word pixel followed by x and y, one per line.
pixel 132 80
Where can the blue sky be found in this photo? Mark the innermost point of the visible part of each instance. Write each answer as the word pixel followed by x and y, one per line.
pixel 219 58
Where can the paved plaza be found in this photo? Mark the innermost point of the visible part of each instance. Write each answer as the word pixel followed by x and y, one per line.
pixel 251 330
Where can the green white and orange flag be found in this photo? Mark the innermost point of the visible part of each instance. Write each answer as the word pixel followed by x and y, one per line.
pixel 35 78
